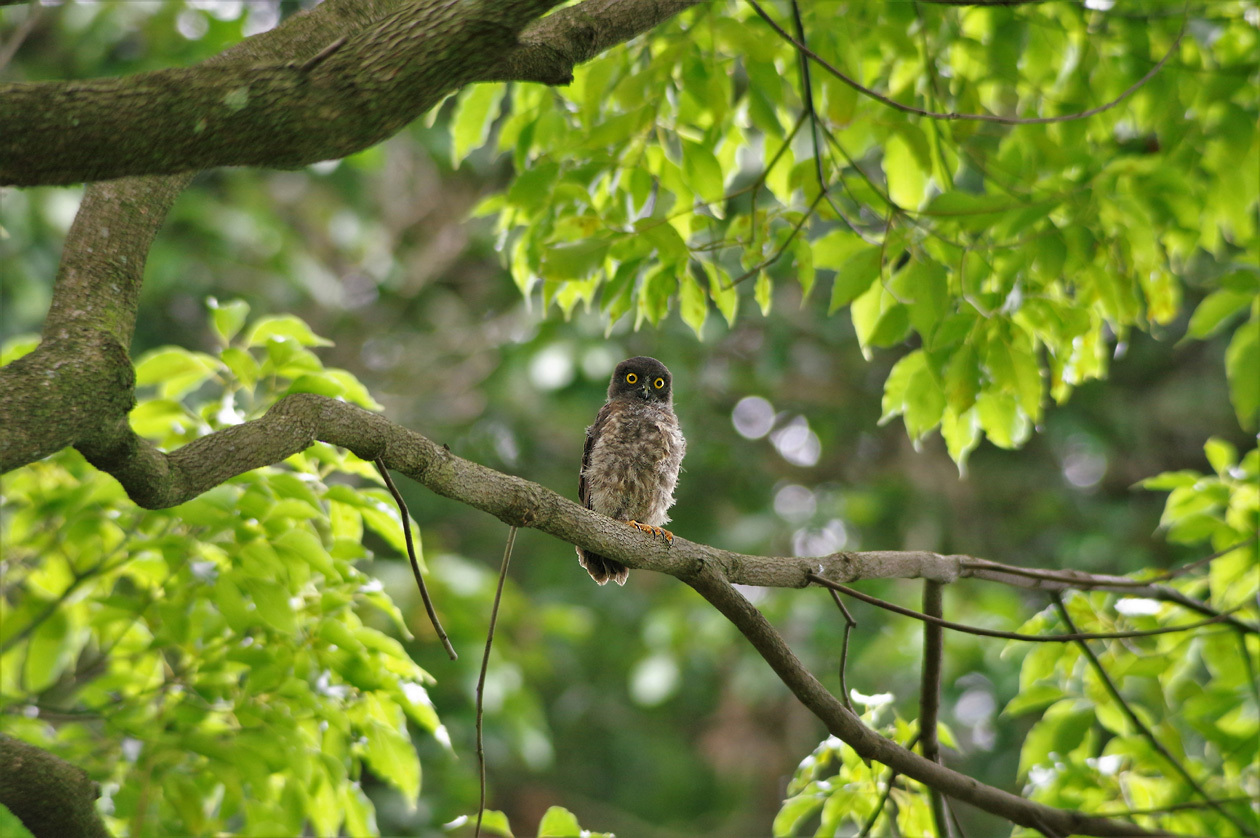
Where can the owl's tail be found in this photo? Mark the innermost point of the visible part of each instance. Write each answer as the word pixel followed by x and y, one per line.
pixel 601 569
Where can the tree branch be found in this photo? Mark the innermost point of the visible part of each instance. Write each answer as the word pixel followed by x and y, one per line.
pixel 930 696
pixel 75 389
pixel 156 479
pixel 49 795
pixel 551 47
pixel 290 108
pixel 719 592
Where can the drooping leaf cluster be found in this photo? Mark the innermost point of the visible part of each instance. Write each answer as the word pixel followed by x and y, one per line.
pixel 1010 255
pixel 223 663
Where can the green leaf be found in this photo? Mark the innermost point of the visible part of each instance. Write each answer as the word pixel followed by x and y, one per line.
pixel 558 822
pixel 669 244
pixel 242 365
pixel 176 372
pixel 1242 368
pixel 962 378
pixel 573 261
pixel 389 750
pixel 879 318
pixel 271 600
pixel 855 277
pixel 228 318
pixel 283 328
pixel 834 249
pixel 301 544
pixel 701 171
pixel 52 648
pixel 912 389
pixel 961 432
pixel 474 114
pixel 694 306
pixel 1171 480
pixel 531 191
pixel 495 822
pixel 723 292
pixel 1002 420
pixel 1222 455
pixel 971 212
pixel 317 383
pixel 1216 311
pixel 1033 698
pixel 794 811
pixel 763 292
pixel 804 263
pixel 906 166
pixel 926 285
pixel 155 418
pixel 360 813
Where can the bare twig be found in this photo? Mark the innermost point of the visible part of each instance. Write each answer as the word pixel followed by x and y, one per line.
pixel 481 678
pixel 796 228
pixel 849 625
pixel 1011 635
pixel 415 562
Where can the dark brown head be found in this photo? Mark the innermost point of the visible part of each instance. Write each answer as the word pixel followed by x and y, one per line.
pixel 642 378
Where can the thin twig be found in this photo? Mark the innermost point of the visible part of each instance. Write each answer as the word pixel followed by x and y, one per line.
pixel 1197 563
pixel 1010 635
pixel 481 678
pixel 849 625
pixel 796 228
pixel 975 117
pixel 807 95
pixel 930 695
pixel 1128 711
pixel 1077 580
pixel 415 562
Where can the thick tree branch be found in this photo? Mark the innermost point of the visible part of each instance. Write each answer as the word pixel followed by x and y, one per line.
pixel 75 389
pixel 283 115
pixel 550 48
pixel 287 109
pixel 50 796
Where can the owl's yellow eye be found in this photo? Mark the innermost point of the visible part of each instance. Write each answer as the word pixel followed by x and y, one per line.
pixel 658 383
pixel 631 378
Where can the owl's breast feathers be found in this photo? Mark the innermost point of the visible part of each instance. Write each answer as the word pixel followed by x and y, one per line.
pixel 631 461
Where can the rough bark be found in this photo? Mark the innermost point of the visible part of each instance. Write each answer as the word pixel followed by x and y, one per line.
pixel 343 92
pixel 51 797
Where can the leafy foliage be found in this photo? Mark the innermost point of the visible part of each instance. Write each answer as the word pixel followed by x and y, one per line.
pixel 843 792
pixel 1198 693
pixel 1011 252
pixel 1049 228
pixel 212 660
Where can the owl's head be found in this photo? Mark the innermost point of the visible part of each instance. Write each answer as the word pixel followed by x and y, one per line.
pixel 641 378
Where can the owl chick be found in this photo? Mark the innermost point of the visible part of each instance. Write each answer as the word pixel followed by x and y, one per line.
pixel 631 458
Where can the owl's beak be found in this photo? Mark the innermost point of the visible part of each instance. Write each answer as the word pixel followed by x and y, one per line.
pixel 645 393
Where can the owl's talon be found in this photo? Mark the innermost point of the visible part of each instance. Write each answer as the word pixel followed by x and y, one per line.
pixel 655 532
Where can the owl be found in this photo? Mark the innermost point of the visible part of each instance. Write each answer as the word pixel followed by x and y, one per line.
pixel 631 458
